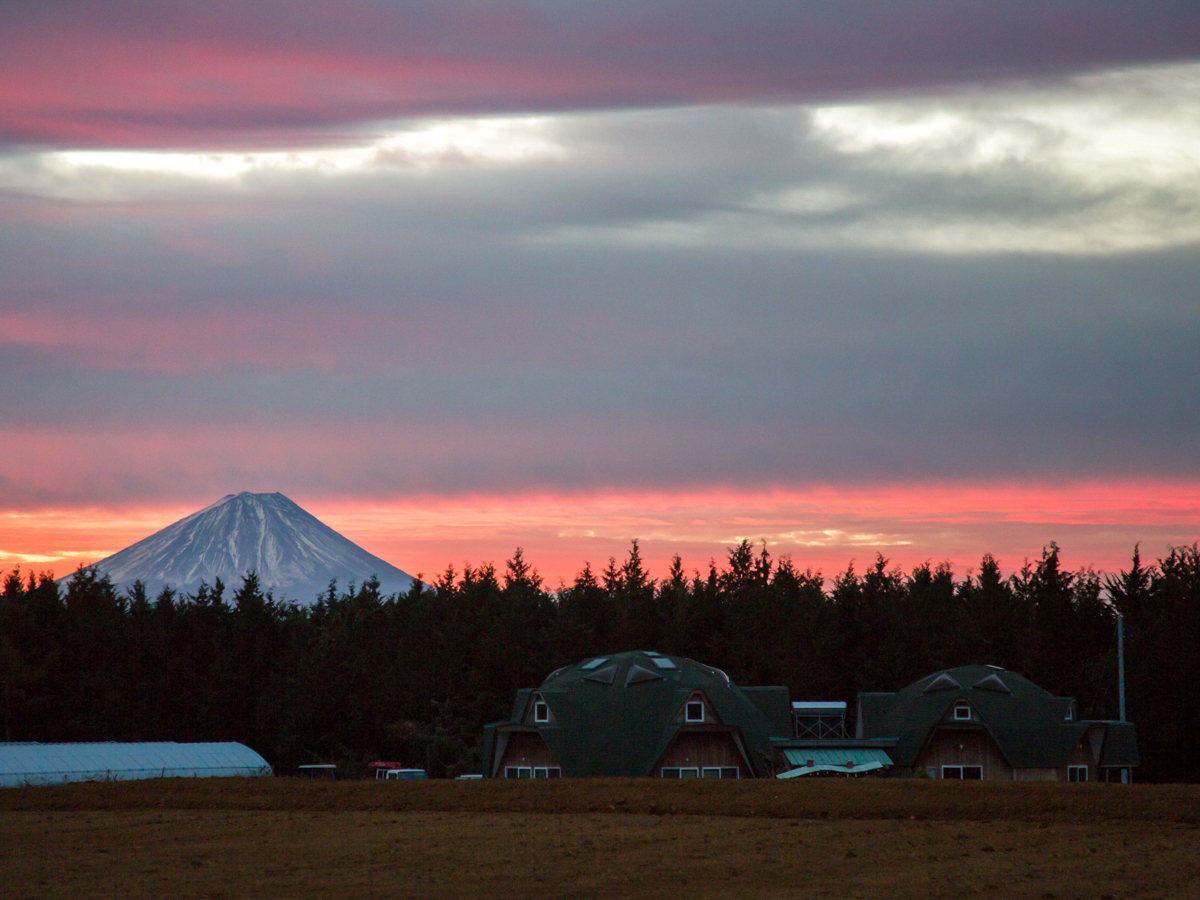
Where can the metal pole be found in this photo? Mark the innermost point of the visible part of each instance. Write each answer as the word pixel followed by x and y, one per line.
pixel 1121 664
pixel 1121 679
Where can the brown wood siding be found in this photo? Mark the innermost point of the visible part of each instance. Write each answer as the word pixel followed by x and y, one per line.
pixel 702 749
pixel 965 747
pixel 1082 756
pixel 1038 775
pixel 526 748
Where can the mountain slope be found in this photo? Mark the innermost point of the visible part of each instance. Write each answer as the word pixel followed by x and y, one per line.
pixel 294 552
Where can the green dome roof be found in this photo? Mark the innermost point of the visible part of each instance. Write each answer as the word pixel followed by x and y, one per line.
pixel 615 715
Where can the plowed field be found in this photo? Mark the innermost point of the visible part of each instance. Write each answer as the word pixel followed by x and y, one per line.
pixel 233 838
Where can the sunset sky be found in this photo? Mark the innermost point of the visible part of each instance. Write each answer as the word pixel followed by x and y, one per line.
pixel 918 278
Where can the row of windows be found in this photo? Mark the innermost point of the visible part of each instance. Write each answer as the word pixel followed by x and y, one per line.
pixel 532 772
pixel 697 772
pixel 963 773
pixel 975 773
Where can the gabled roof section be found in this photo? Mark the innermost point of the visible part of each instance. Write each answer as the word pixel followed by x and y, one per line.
pixel 776 704
pixel 873 709
pixel 944 682
pixel 520 703
pixel 1120 745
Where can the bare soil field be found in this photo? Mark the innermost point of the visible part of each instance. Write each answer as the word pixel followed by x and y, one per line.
pixel 279 837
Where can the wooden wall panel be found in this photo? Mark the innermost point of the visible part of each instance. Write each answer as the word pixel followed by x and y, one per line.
pixel 965 747
pixel 702 748
pixel 1039 775
pixel 526 748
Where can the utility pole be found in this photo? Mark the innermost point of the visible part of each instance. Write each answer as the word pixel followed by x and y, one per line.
pixel 1121 679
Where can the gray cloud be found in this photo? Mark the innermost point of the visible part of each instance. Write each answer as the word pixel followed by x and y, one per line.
pixel 700 295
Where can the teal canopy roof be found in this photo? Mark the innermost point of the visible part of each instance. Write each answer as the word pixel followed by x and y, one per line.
pixel 848 761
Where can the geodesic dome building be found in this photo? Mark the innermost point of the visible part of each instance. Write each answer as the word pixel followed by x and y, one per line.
pixel 639 713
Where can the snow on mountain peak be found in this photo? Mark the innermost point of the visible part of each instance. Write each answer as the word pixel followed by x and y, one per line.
pixel 294 553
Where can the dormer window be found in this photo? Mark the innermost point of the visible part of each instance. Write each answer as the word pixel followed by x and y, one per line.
pixel 962 712
pixel 694 712
pixel 541 712
pixel 1070 711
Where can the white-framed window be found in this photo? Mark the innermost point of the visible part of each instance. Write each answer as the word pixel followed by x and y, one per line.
pixel 1076 773
pixel 720 772
pixel 541 712
pixel 547 772
pixel 694 711
pixel 518 772
pixel 963 773
pixel 680 772
pixel 962 712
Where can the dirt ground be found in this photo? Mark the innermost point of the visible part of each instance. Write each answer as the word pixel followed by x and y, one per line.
pixel 233 838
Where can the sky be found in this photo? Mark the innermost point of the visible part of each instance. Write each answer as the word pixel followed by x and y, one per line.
pixel 916 278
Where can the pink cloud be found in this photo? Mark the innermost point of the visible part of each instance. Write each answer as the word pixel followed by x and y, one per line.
pixel 823 527
pixel 157 74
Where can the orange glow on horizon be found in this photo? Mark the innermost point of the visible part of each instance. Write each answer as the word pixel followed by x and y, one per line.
pixel 822 527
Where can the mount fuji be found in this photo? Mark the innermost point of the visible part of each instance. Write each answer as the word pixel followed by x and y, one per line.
pixel 294 553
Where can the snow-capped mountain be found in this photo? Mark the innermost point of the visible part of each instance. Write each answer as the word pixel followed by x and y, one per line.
pixel 294 552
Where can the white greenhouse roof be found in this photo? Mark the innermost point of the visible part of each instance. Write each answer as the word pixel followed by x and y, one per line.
pixel 34 764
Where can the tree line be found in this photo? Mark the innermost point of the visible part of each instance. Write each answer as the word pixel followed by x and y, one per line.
pixel 414 676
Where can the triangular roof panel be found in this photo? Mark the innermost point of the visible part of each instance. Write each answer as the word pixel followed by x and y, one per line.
pixel 943 682
pixel 602 676
pixel 638 675
pixel 991 683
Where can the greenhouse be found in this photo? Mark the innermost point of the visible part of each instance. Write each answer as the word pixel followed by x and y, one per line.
pixel 38 764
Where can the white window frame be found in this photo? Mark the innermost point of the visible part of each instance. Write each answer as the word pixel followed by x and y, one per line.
pixel 720 772
pixel 1077 771
pixel 687 711
pixel 547 772
pixel 518 771
pixel 680 772
pixel 962 712
pixel 541 711
pixel 962 772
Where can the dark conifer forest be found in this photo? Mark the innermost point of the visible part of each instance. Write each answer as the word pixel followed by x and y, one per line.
pixel 413 677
